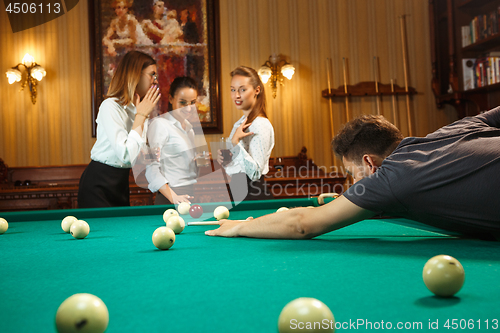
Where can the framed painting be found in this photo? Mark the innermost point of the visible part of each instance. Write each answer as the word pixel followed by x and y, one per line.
pixel 181 35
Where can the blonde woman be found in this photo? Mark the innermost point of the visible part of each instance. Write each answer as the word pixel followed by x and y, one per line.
pixel 132 95
pixel 252 137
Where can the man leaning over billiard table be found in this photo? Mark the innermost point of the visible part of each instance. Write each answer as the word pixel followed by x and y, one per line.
pixel 449 179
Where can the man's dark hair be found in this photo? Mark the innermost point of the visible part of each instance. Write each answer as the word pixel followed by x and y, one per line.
pixel 367 134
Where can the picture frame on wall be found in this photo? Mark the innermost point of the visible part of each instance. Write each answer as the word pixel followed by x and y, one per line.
pixel 181 35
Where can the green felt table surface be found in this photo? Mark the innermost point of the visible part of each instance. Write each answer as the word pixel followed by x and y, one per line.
pixel 369 271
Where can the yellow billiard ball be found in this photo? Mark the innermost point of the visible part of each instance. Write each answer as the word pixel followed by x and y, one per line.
pixel 183 208
pixel 221 213
pixel 79 229
pixel 67 222
pixel 306 314
pixel 169 213
pixel 163 238
pixel 176 223
pixel 443 275
pixel 84 313
pixel 4 225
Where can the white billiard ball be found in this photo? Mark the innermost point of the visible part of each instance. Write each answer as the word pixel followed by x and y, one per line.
pixel 163 238
pixel 306 310
pixel 221 213
pixel 443 275
pixel 176 223
pixel 82 313
pixel 282 209
pixel 183 208
pixel 169 213
pixel 4 225
pixel 67 222
pixel 79 229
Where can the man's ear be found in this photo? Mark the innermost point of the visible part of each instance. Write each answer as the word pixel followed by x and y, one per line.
pixel 369 161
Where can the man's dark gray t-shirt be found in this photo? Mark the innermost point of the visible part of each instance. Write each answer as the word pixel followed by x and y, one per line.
pixel 450 179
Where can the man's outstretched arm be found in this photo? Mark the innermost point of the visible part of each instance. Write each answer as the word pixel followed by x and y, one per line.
pixel 297 223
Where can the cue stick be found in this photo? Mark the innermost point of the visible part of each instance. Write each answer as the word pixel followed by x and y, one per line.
pixel 328 69
pixel 345 90
pixel 405 68
pixel 212 222
pixel 394 116
pixel 377 79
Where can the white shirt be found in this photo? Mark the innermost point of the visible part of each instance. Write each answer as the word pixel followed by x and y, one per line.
pixel 117 144
pixel 176 166
pixel 251 154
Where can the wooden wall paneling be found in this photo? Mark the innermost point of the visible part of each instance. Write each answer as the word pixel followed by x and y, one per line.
pixel 57 129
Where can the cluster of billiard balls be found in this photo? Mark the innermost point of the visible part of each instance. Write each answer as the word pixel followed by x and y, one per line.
pixel 70 224
pixel 443 275
pixel 196 211
pixel 75 227
pixel 164 237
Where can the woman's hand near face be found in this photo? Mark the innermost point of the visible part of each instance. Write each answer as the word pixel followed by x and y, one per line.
pixel 146 106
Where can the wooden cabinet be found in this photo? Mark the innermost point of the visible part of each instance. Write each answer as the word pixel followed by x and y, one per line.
pixel 56 187
pixel 446 18
pixel 52 187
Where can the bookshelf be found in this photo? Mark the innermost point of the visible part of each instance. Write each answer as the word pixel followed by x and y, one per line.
pixel 449 56
pixel 484 44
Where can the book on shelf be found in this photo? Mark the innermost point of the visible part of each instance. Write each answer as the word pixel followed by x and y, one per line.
pixel 466 41
pixel 481 27
pixel 496 72
pixel 468 72
pixel 481 72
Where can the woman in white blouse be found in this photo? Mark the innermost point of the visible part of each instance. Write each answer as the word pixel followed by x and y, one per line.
pixel 132 95
pixel 172 136
pixel 252 138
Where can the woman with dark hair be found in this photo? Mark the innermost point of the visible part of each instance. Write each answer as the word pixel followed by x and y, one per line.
pixel 252 137
pixel 132 95
pixel 171 136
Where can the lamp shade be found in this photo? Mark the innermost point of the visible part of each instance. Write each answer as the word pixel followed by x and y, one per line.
pixel 288 71
pixel 13 75
pixel 28 60
pixel 38 72
pixel 265 73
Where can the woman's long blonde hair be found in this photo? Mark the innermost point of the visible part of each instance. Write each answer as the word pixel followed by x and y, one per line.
pixel 127 76
pixel 259 108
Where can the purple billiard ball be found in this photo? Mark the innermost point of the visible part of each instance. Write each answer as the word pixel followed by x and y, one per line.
pixel 195 211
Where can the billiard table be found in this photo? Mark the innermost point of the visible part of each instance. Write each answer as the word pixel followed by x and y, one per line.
pixel 368 272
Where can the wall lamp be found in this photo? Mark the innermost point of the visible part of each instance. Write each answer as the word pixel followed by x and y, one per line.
pixel 34 71
pixel 275 69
